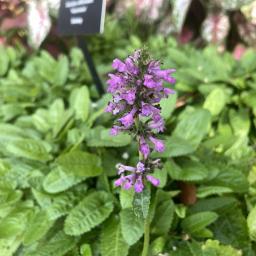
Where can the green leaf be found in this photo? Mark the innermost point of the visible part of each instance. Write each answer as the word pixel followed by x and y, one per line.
pixel 61 71
pixel 60 204
pixel 218 204
pixel 193 126
pixel 112 242
pixel 157 246
pixel 11 132
pixel 58 245
pixel 174 147
pixel 188 170
pixel 100 137
pixel 73 168
pixel 80 102
pixel 8 247
pixel 126 198
pixel 231 177
pixel 30 149
pixel 90 212
pixel 168 106
pixel 215 101
pixel 86 250
pixel 161 175
pixel 132 227
pixel 82 164
pixel 4 61
pixel 198 221
pixel 240 121
pixel 251 223
pixel 141 203
pixel 59 180
pixel 15 222
pixel 56 113
pixel 214 248
pixel 37 227
pixel 231 228
pixel 205 191
pixel 164 213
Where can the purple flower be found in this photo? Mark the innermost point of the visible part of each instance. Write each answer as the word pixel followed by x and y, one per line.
pixel 119 65
pixel 150 82
pixel 139 186
pixel 144 148
pixel 147 110
pixel 135 179
pixel 129 96
pixel 114 83
pixel 131 67
pixel 128 119
pixel 114 130
pixel 157 124
pixel 140 167
pixel 137 88
pixel 168 91
pixel 159 144
pixel 122 168
pixel 154 181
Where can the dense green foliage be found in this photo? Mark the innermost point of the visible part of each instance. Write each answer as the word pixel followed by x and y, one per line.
pixel 57 159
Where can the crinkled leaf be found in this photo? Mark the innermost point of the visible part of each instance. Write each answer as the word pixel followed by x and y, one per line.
pixel 198 221
pixel 132 227
pixel 82 164
pixel 37 227
pixel 30 149
pixel 112 241
pixel 164 213
pixel 58 245
pixel 90 212
pixel 73 168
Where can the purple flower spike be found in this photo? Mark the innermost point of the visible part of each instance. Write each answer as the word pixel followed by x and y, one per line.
pixel 137 88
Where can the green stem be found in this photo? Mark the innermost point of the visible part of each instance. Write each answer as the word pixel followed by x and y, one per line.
pixel 146 236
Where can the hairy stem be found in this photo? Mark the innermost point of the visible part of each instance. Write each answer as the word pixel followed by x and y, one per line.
pixel 146 236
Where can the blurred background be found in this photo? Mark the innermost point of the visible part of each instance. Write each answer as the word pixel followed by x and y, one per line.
pixel 229 24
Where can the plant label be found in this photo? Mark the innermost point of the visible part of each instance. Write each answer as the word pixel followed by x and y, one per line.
pixel 81 17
